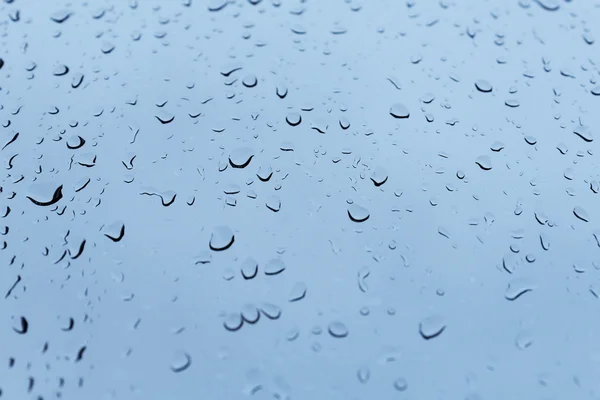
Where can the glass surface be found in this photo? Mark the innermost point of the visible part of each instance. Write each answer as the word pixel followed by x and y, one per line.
pixel 286 199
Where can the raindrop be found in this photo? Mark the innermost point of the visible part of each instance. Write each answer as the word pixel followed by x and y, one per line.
pixel 293 119
pixel 432 327
pixel 250 313
pixel 584 133
pixel 249 268
pixel 548 5
pixel 60 16
pixel 483 86
pixel 337 330
pixel 399 111
pixel 363 374
pixel 60 70
pixel 233 321
pixel 484 162
pixel 22 327
pixel 270 311
pixel 274 266
pixel 221 238
pixel 358 213
pixel 581 214
pixel 241 157
pixel 44 194
pixel 164 117
pixel 518 287
pixel 400 384
pixel 298 292
pixel 250 81
pixel 273 203
pixel 379 176
pixel 180 362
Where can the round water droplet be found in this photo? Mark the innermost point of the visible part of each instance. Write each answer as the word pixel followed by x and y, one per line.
pixel 233 321
pixel 400 384
pixel 250 313
pixel 60 70
pixel 358 213
pixel 249 268
pixel 250 81
pixel 337 330
pixel 293 119
pixel 221 238
pixel 180 362
pixel 398 110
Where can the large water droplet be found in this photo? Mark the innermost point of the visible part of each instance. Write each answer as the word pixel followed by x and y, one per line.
pixel 358 213
pixel 221 238
pixel 483 86
pixel 398 110
pixel 241 157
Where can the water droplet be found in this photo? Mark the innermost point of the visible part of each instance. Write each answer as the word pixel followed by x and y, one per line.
pixel 581 214
pixel 584 133
pixel 523 340
pixel 250 313
pixel 298 292
pixel 358 213
pixel 221 238
pixel 233 321
pixel 483 86
pixel 241 157
pixel 363 374
pixel 432 327
pixel 60 70
pixel 518 287
pixel 45 194
pixel 398 110
pixel 180 362
pixel 270 311
pixel 484 162
pixel 274 266
pixel 273 203
pixel 165 117
pixel 497 146
pixel 400 384
pixel 379 176
pixel 249 268
pixel 293 119
pixel 250 81
pixel 548 5
pixel 217 5
pixel 337 330
pixel 60 16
